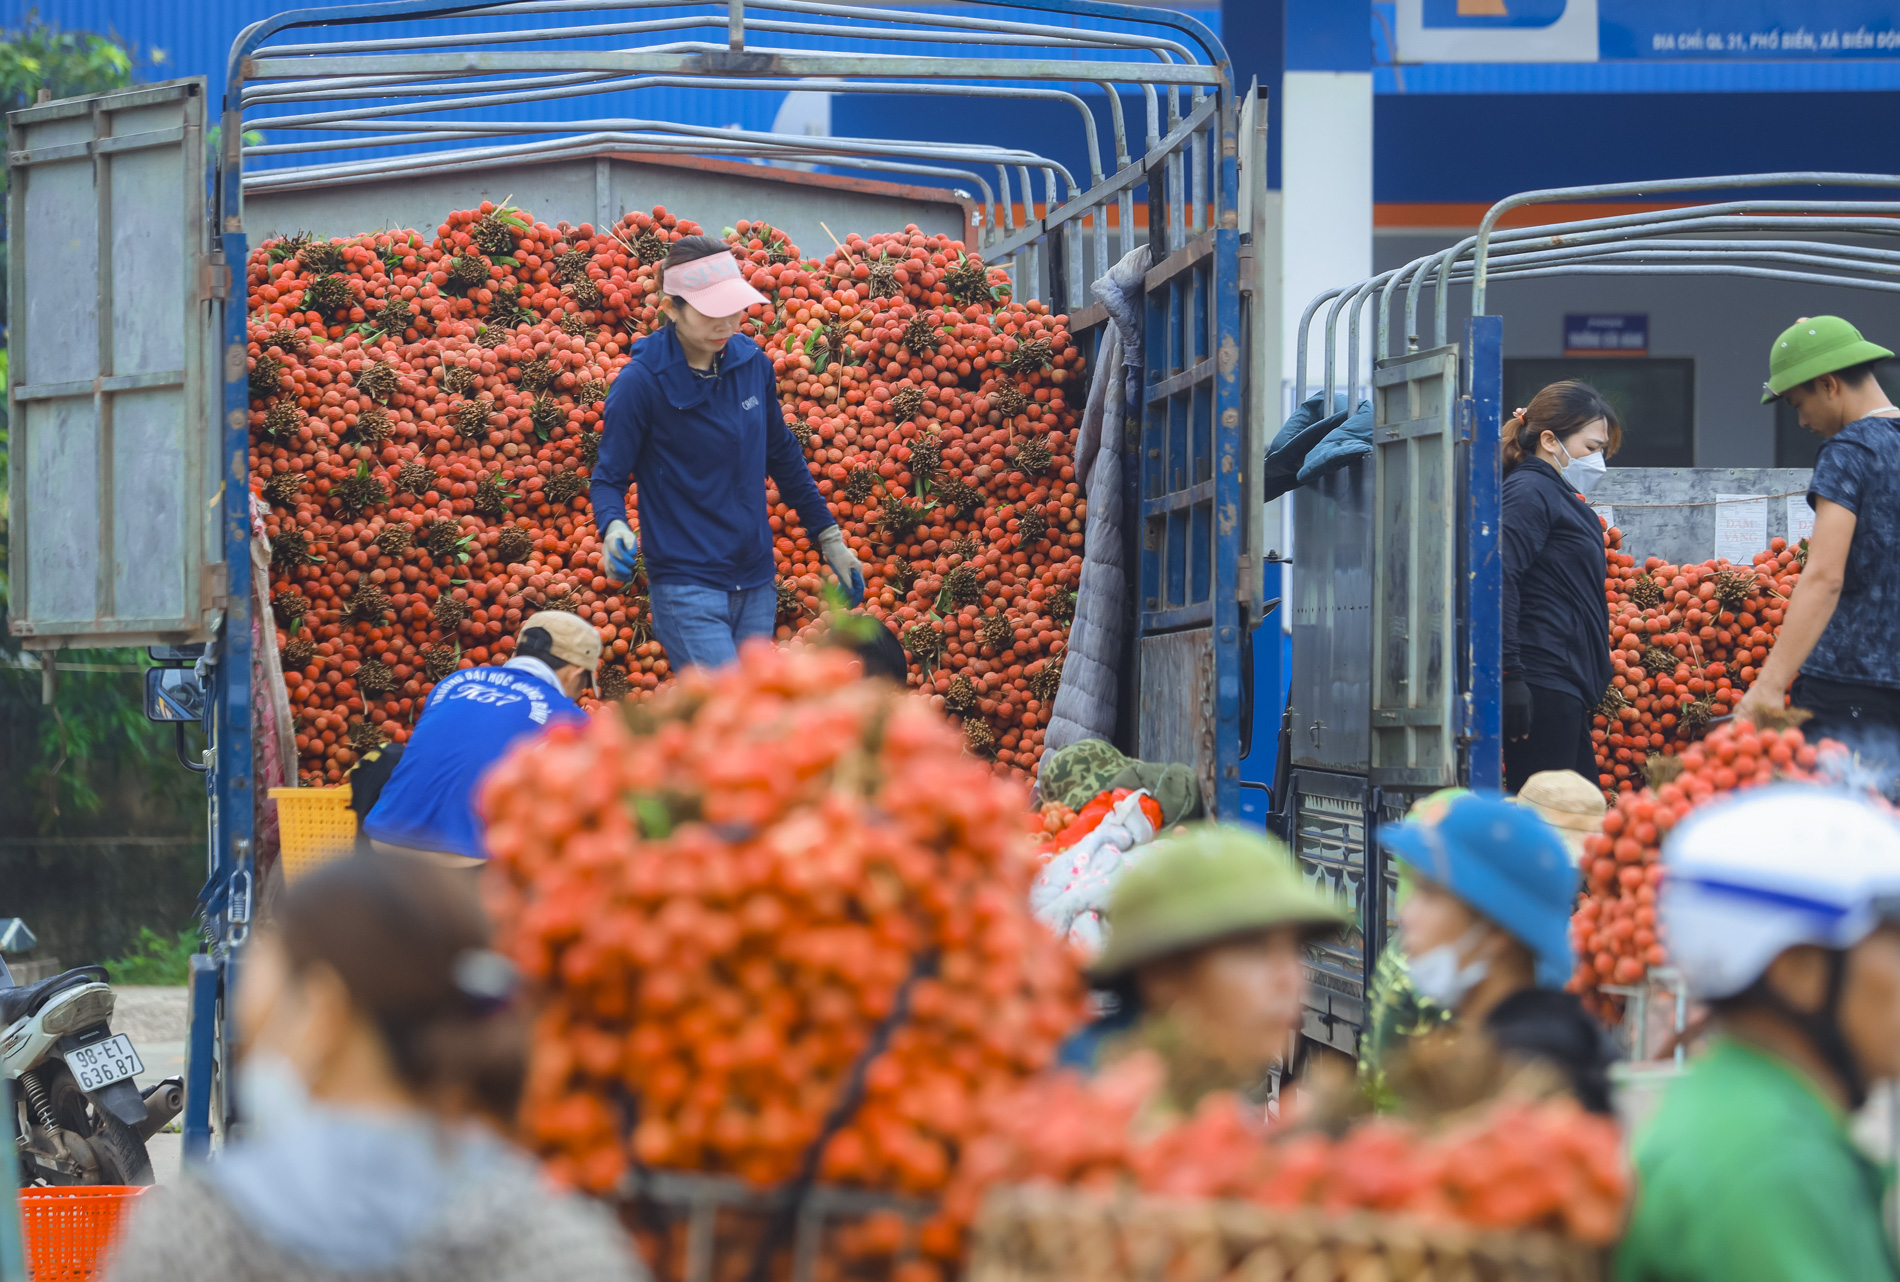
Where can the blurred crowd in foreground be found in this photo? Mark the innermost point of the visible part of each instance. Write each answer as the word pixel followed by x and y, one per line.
pixel 775 926
pixel 385 1033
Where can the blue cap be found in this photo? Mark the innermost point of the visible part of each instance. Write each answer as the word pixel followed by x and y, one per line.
pixel 1503 861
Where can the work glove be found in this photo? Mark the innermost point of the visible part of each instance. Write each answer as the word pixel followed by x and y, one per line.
pixel 1517 711
pixel 621 547
pixel 844 564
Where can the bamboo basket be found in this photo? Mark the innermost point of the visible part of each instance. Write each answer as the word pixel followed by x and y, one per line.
pixel 1058 1235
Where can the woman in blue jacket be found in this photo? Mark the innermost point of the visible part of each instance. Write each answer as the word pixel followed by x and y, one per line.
pixel 1556 618
pixel 694 418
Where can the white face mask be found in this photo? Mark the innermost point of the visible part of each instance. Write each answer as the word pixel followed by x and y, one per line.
pixel 1582 474
pixel 271 1094
pixel 1440 979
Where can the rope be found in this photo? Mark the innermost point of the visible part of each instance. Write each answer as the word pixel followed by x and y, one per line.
pixel 1751 498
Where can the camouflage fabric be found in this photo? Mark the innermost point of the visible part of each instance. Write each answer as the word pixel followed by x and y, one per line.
pixel 1077 774
pixel 1395 1014
pixel 1173 786
pixel 1080 772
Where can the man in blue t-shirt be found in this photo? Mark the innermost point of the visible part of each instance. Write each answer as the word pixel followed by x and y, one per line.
pixel 473 717
pixel 1838 652
pixel 694 418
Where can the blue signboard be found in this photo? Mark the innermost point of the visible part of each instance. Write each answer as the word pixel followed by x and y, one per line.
pixel 1606 334
pixel 1755 30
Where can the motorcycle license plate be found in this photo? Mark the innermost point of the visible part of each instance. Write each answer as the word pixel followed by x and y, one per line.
pixel 104 1063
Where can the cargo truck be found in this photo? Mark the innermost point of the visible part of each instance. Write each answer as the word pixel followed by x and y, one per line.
pixel 132 215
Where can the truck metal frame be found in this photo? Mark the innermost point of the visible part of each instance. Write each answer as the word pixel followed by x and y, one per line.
pixel 1397 575
pixel 110 351
pixel 412 94
pixel 342 89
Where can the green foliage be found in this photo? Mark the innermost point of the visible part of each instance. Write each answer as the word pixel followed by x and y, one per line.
pixel 213 136
pixel 37 55
pixel 848 627
pixel 156 960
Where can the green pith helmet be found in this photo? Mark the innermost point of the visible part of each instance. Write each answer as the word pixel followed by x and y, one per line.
pixel 1811 347
pixel 1204 885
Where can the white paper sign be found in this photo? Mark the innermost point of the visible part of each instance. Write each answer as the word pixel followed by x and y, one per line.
pixel 1741 527
pixel 1800 519
pixel 1607 512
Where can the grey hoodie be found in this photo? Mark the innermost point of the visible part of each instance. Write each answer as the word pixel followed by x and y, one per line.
pixel 353 1199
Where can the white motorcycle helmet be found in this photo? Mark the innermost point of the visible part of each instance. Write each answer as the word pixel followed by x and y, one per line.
pixel 1749 879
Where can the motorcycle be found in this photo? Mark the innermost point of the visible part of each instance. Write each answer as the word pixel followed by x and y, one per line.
pixel 78 1116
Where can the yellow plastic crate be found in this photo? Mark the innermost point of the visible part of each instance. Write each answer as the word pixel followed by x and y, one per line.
pixel 316 825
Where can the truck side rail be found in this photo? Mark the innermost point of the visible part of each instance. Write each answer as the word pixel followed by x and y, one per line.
pixel 1604 191
pixel 381 87
pixel 1626 244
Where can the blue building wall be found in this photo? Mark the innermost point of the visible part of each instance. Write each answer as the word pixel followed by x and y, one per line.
pixel 1444 147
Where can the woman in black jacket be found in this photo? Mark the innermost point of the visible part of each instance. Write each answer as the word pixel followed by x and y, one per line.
pixel 1556 620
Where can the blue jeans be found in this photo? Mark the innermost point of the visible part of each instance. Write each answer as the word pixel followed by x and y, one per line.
pixel 704 627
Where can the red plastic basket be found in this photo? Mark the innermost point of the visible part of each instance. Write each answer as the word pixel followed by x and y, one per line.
pixel 69 1230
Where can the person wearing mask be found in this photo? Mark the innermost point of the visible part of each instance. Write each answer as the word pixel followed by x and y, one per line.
pixel 1556 620
pixel 1484 923
pixel 382 1055
pixel 1748 1172
pixel 1395 1013
pixel 1205 958
pixel 473 717
pixel 694 418
pixel 1837 652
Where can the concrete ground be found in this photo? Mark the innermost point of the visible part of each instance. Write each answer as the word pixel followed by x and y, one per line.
pixel 154 1018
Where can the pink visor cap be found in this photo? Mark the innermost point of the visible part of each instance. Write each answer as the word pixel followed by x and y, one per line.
pixel 712 285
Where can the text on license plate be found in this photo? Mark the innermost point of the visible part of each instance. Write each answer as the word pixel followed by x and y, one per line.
pixel 104 1063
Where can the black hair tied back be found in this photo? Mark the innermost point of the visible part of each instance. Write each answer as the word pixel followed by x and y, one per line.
pixel 413 947
pixel 1562 409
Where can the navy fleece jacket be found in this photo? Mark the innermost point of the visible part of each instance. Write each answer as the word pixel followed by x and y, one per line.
pixel 700 449
pixel 1556 622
